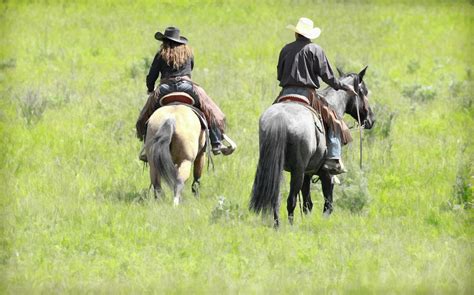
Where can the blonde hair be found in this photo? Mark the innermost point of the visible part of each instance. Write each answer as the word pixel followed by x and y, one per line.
pixel 175 54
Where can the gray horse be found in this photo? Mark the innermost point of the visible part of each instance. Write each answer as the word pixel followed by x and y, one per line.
pixel 290 141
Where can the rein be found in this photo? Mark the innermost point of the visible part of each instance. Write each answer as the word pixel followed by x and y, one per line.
pixel 357 97
pixel 360 131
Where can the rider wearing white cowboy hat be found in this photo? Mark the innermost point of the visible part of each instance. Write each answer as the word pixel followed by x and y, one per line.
pixel 305 28
pixel 300 65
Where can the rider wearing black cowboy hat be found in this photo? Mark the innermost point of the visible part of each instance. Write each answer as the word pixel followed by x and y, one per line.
pixel 174 61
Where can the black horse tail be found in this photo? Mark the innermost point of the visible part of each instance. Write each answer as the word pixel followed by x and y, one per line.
pixel 161 154
pixel 266 186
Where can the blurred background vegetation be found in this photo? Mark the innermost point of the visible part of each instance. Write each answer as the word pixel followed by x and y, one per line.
pixel 75 210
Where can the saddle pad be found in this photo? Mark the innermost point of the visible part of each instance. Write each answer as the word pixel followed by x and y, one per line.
pixel 294 97
pixel 177 97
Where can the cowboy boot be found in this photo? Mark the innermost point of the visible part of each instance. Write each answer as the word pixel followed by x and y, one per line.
pixel 215 136
pixel 334 166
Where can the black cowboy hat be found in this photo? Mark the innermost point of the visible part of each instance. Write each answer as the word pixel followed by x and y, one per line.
pixel 171 33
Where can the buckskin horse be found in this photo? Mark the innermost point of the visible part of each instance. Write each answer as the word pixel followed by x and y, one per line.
pixel 175 141
pixel 290 140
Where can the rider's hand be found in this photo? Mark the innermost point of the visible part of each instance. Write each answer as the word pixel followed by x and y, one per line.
pixel 350 90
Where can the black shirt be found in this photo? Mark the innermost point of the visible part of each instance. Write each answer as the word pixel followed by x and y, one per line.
pixel 159 66
pixel 302 62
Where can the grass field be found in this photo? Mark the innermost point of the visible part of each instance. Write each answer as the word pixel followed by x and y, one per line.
pixel 76 215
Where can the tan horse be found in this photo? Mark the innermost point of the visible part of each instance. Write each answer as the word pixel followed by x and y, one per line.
pixel 174 142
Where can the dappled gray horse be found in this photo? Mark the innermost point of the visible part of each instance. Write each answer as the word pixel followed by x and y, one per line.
pixel 290 140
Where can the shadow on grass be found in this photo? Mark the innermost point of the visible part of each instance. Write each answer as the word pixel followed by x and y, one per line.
pixel 126 195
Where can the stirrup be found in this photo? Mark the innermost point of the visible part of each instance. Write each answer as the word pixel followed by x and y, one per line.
pixel 216 150
pixel 334 167
pixel 227 150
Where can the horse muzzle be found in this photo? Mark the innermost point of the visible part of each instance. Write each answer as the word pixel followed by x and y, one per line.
pixel 368 123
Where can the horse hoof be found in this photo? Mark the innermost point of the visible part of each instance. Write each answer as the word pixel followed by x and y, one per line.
pixel 276 225
pixel 326 214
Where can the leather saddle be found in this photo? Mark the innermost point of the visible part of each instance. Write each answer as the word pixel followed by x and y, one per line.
pixel 177 97
pixel 183 98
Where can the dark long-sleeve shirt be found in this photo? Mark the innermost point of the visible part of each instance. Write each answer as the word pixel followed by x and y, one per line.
pixel 301 63
pixel 159 66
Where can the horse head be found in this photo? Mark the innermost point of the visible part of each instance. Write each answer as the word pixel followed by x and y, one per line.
pixel 359 104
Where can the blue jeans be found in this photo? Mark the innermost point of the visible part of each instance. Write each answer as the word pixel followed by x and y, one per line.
pixel 334 145
pixel 333 141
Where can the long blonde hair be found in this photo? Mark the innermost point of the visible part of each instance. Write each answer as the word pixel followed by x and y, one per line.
pixel 175 54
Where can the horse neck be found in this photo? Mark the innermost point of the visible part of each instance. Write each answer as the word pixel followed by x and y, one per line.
pixel 338 100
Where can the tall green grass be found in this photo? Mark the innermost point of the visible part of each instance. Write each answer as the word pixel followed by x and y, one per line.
pixel 77 216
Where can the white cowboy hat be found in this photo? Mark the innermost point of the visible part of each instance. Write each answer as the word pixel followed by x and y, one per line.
pixel 305 27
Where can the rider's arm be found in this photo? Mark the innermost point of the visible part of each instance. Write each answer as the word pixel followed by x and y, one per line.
pixel 280 66
pixel 325 71
pixel 153 73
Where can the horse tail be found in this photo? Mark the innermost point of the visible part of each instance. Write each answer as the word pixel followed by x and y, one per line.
pixel 266 186
pixel 161 154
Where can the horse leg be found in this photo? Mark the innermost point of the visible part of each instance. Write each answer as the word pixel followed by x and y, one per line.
pixel 305 190
pixel 276 213
pixel 276 218
pixel 328 186
pixel 184 170
pixel 156 182
pixel 295 186
pixel 197 172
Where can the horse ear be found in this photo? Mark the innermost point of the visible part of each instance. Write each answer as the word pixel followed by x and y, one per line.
pixel 341 73
pixel 362 73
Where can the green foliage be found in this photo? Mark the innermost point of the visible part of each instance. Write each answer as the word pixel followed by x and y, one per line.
pixel 462 91
pixel 227 211
pixel 419 93
pixel 76 213
pixel 355 195
pixel 462 192
pixel 385 119
pixel 413 66
pixel 32 106
pixel 6 64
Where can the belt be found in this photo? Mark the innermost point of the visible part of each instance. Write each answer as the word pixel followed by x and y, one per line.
pixel 175 79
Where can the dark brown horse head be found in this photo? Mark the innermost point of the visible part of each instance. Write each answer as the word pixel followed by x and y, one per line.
pixel 358 106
